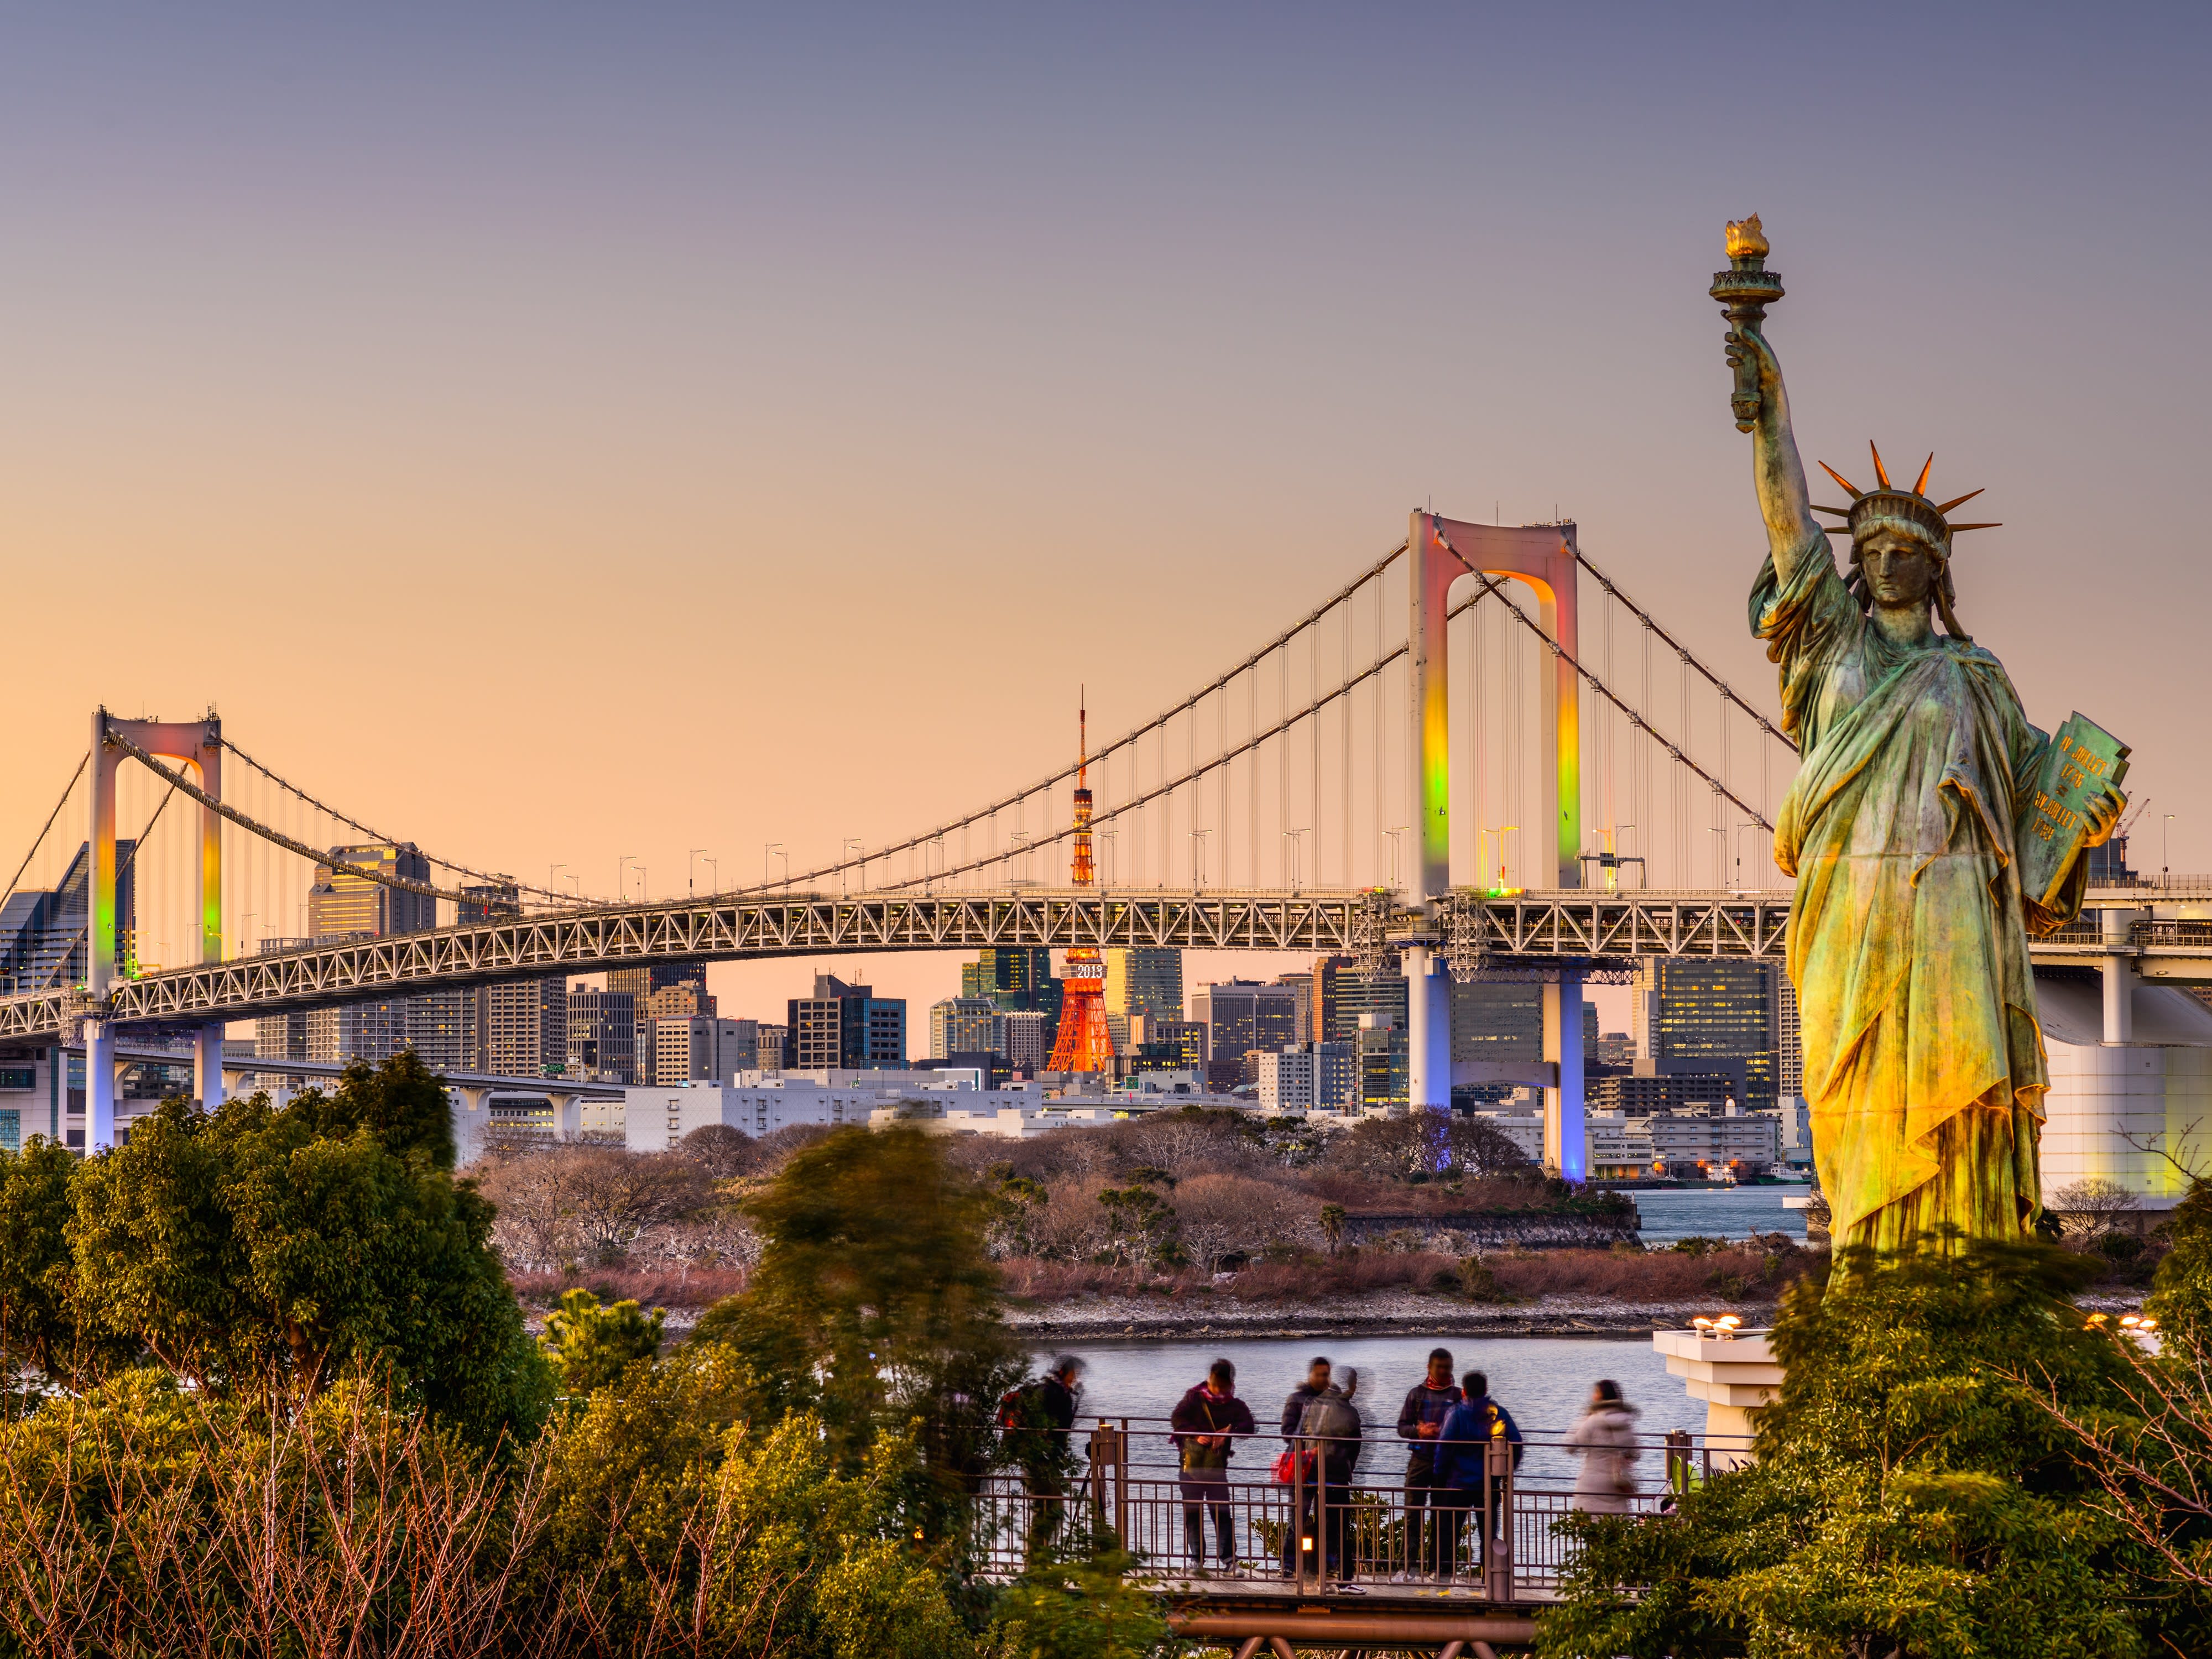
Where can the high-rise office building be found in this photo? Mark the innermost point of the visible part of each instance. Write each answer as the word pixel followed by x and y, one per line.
pixel 642 983
pixel 1341 996
pixel 1145 980
pixel 961 1026
pixel 1168 1044
pixel 1498 1020
pixel 43 934
pixel 847 1028
pixel 1710 1014
pixel 603 1034
pixel 703 1049
pixel 1379 1048
pixel 1301 989
pixel 1017 981
pixel 525 1027
pixel 1243 1016
pixel 1023 1036
pixel 772 1047
pixel 341 901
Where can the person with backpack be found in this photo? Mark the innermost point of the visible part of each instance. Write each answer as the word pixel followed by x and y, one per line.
pixel 1036 1424
pixel 1294 1412
pixel 1206 1422
pixel 1330 1437
pixel 1463 1463
pixel 1420 1420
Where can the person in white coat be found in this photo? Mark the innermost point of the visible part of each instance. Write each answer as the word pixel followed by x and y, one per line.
pixel 1605 1439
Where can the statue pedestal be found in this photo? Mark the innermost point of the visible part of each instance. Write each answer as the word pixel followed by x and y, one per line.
pixel 1736 1377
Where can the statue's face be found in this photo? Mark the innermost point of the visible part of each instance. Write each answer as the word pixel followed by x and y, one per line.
pixel 1900 571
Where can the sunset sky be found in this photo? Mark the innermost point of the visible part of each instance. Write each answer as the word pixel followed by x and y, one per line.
pixel 565 433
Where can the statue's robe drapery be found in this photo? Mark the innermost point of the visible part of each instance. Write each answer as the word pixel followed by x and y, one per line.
pixel 1924 1066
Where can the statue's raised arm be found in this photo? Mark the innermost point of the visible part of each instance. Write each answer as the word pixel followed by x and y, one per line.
pixel 1745 289
pixel 1779 472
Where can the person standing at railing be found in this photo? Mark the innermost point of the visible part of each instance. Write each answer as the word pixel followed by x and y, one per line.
pixel 1294 1412
pixel 1207 1421
pixel 1463 1462
pixel 1331 1435
pixel 1036 1424
pixel 1605 1439
pixel 1420 1420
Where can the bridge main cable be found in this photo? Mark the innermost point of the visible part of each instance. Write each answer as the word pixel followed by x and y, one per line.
pixel 178 780
pixel 890 849
pixel 567 899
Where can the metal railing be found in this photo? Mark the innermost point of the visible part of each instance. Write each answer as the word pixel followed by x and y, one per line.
pixel 1311 1534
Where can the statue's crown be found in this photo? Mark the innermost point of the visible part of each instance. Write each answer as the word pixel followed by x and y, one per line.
pixel 1889 502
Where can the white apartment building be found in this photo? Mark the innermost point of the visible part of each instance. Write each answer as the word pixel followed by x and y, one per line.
pixel 703 1048
pixel 1312 1076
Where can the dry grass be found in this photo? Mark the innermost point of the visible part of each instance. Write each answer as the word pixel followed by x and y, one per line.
pixel 649 1287
pixel 1736 1274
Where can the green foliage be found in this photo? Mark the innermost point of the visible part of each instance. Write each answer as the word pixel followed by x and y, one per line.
pixel 1142 1221
pixel 875 1302
pixel 2181 1299
pixel 1080 1609
pixel 262 1252
pixel 1909 1495
pixel 43 1326
pixel 593 1344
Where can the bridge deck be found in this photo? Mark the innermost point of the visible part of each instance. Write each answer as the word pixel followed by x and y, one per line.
pixel 1530 929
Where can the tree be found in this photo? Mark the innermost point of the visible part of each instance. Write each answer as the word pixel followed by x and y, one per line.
pixel 1331 1226
pixel 594 1344
pixel 262 1252
pixel 1143 1224
pixel 722 1150
pixel 580 1202
pixel 1424 1144
pixel 1219 1216
pixel 2087 1209
pixel 874 1301
pixel 1912 1497
pixel 42 1317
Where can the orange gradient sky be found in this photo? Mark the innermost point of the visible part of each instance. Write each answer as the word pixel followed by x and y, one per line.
pixel 559 434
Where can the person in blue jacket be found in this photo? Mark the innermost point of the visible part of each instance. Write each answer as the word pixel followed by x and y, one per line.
pixel 1462 1457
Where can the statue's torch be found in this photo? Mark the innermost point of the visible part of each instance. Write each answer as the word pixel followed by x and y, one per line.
pixel 1745 289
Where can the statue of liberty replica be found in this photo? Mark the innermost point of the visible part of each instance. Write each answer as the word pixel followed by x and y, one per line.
pixel 1930 829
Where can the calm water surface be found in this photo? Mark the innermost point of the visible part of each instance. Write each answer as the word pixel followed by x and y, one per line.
pixel 1719 1213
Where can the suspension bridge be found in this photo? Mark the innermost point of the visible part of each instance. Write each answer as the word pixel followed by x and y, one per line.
pixel 1479 755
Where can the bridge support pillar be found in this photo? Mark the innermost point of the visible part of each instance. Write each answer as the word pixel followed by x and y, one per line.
pixel 2119 976
pixel 1566 1140
pixel 1428 1032
pixel 99 1085
pixel 207 1067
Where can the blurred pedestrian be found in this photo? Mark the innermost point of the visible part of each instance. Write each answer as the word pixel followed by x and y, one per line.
pixel 1333 1435
pixel 1605 1439
pixel 1420 1419
pixel 1036 1424
pixel 1294 1411
pixel 1207 1421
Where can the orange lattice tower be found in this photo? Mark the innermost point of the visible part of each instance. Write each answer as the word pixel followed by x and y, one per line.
pixel 1085 1044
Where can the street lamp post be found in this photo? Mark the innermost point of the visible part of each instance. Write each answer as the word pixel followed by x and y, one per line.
pixel 690 885
pixel 621 881
pixel 774 849
pixel 1197 858
pixel 2166 853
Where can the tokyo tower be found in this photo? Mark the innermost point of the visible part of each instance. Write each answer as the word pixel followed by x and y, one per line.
pixel 1085 1044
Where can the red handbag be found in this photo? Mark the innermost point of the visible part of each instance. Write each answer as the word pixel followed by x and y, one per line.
pixel 1286 1467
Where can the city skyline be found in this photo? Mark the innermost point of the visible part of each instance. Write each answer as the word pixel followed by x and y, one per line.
pixel 318 298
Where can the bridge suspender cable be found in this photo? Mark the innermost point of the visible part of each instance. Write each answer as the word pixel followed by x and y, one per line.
pixel 178 780
pixel 1490 586
pixel 50 817
pixel 1372 572
pixel 1718 683
pixel 375 834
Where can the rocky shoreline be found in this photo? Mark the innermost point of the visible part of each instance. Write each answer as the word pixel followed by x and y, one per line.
pixel 1387 1314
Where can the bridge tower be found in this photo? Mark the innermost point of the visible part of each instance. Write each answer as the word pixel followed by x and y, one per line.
pixel 197 745
pixel 1440 551
pixel 1085 1044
